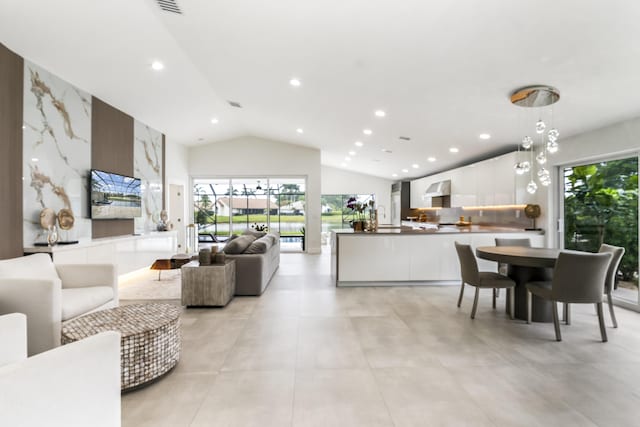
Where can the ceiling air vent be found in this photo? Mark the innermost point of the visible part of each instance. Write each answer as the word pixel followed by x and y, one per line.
pixel 404 138
pixel 235 104
pixel 169 6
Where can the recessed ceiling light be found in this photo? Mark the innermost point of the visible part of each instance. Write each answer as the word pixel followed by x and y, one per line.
pixel 453 150
pixel 358 143
pixel 352 153
pixel 432 159
pixel 484 136
pixel 367 131
pixel 35 159
pixel 386 150
pixel 300 130
pixel 214 120
pixel 348 159
pixel 394 175
pixel 405 170
pixel 380 113
pixel 415 166
pixel 295 82
pixel 157 65
pixel 23 127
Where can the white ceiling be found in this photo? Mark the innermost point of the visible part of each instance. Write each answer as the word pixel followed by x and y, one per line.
pixel 442 70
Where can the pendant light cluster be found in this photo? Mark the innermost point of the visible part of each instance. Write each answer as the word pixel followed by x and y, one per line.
pixel 543 139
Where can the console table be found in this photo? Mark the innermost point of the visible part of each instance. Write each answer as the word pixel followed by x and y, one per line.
pixel 129 253
pixel 208 285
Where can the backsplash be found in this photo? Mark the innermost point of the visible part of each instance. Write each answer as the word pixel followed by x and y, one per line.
pixel 497 216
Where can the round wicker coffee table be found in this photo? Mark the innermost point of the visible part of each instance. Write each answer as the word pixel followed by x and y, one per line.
pixel 150 343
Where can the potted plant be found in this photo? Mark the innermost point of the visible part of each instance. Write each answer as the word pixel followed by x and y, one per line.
pixel 358 211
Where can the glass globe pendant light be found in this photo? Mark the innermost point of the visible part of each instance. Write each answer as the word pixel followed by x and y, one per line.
pixel 537 97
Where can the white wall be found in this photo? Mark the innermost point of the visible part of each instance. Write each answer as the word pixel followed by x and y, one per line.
pixel 617 140
pixel 338 181
pixel 258 157
pixel 177 172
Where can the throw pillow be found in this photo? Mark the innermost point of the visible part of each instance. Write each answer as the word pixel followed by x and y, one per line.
pixel 233 236
pixel 257 247
pixel 273 238
pixel 254 233
pixel 239 244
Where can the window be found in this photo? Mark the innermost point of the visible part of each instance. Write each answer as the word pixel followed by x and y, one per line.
pixel 225 206
pixel 601 206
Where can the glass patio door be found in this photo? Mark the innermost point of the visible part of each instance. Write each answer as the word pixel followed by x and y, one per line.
pixel 600 205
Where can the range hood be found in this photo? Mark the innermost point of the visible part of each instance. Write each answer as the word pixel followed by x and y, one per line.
pixel 438 189
pixel 438 195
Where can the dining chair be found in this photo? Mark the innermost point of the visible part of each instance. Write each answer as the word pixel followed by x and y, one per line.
pixel 617 253
pixel 578 278
pixel 480 279
pixel 502 267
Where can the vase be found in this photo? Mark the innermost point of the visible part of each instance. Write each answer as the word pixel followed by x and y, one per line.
pixel 358 225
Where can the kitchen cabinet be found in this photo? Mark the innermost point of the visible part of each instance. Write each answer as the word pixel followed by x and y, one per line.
pixel 401 258
pixel 418 188
pixel 487 183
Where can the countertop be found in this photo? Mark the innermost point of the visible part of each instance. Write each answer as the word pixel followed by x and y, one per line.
pixel 443 229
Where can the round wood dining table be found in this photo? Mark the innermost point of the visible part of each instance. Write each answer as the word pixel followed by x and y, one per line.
pixel 525 265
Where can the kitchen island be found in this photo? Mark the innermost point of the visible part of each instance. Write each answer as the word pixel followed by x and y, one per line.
pixel 401 256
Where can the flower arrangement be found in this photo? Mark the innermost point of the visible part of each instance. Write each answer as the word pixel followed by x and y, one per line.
pixel 358 210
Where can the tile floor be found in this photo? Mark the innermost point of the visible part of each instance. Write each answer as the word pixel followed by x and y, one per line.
pixel 308 354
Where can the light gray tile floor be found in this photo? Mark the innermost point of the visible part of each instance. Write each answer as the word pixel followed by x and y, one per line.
pixel 308 354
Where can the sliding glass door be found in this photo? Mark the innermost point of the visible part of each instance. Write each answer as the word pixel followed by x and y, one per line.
pixel 600 205
pixel 225 206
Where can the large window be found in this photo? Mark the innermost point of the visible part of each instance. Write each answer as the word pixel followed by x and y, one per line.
pixel 225 206
pixel 601 206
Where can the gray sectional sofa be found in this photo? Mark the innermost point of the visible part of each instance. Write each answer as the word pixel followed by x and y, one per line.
pixel 257 259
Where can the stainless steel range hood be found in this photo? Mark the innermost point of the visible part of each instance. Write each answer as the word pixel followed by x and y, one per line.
pixel 438 195
pixel 438 189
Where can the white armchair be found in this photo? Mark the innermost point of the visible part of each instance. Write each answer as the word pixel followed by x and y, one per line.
pixel 74 385
pixel 50 294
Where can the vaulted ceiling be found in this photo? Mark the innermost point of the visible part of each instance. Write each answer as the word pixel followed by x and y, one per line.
pixel 441 70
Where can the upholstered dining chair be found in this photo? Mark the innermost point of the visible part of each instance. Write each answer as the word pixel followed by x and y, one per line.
pixel 578 278
pixel 480 279
pixel 617 253
pixel 502 267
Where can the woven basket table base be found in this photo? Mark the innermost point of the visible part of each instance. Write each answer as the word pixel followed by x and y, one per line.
pixel 150 342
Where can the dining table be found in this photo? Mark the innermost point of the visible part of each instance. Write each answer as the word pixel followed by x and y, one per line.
pixel 525 265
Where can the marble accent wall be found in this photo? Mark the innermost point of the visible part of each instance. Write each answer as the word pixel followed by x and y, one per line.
pixel 56 152
pixel 147 165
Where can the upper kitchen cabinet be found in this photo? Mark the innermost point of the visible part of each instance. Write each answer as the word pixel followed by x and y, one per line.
pixel 418 188
pixel 487 183
pixel 464 186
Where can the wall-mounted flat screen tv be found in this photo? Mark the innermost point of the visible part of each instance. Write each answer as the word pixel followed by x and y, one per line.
pixel 114 196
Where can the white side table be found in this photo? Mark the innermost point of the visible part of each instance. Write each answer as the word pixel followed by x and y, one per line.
pixel 208 285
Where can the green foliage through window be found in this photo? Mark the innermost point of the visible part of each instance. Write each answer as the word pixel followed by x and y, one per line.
pixel 601 206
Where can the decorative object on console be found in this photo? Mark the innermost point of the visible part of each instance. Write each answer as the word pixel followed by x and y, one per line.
pixel 204 256
pixel 47 218
pixel 532 212
pixel 537 97
pixel 164 224
pixel 66 220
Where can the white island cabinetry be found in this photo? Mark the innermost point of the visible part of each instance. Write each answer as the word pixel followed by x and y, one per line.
pixel 396 257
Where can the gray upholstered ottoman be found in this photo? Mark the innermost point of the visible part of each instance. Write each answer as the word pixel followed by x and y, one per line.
pixel 150 343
